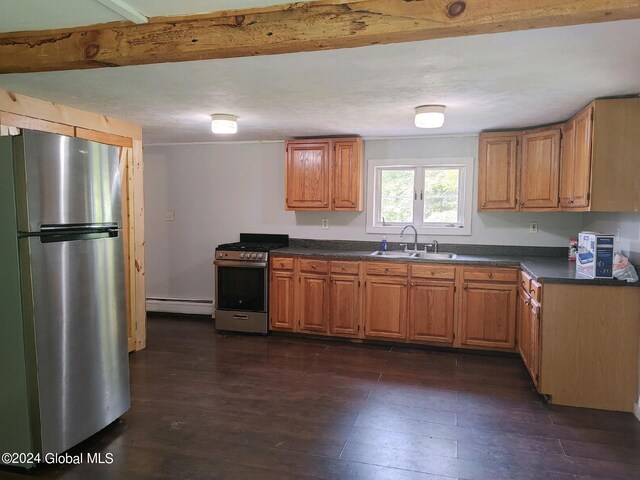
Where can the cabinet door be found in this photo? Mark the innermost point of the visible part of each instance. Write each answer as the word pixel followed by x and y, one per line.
pixel 431 306
pixel 497 171
pixel 313 298
pixel 347 175
pixel 524 327
pixel 385 307
pixel 345 305
pixel 540 169
pixel 567 163
pixel 582 159
pixel 281 306
pixel 489 315
pixel 308 175
pixel 535 346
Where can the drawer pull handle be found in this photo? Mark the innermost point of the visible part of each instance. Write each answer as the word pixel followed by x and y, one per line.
pixel 386 270
pixel 313 266
pixel 343 268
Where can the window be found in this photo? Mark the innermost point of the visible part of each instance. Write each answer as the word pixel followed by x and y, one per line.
pixel 434 195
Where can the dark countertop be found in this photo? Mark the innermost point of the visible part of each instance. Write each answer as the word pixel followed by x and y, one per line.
pixel 543 269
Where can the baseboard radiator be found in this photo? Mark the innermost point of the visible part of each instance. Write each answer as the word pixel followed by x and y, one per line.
pixel 175 305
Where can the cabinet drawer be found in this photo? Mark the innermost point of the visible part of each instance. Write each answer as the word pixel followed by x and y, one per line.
pixel 345 267
pixel 525 281
pixel 396 269
pixel 281 263
pixel 446 272
pixel 535 290
pixel 314 266
pixel 490 273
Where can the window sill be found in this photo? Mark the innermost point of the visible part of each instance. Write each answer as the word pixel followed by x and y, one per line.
pixel 396 229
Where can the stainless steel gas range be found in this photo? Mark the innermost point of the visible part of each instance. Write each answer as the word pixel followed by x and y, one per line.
pixel 242 282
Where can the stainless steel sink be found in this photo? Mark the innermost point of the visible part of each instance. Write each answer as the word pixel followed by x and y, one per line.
pixel 435 256
pixel 395 254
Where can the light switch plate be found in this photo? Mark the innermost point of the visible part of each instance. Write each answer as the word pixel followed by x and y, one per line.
pixel 169 216
pixel 533 227
pixel 325 224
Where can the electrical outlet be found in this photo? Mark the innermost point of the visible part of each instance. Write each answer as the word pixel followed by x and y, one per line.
pixel 533 227
pixel 169 216
pixel 617 239
pixel 325 224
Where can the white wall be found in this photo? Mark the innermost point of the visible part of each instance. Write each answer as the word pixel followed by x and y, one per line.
pixel 629 225
pixel 220 190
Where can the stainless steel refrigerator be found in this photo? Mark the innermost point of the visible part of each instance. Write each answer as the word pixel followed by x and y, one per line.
pixel 64 371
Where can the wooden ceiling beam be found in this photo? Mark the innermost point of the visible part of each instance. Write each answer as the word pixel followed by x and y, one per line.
pixel 295 27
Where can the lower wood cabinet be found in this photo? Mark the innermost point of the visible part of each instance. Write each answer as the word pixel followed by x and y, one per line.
pixel 431 309
pixel 529 333
pixel 385 307
pixel 488 317
pixel 345 305
pixel 281 300
pixel 313 302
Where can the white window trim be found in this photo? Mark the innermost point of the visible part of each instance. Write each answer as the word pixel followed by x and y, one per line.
pixel 466 194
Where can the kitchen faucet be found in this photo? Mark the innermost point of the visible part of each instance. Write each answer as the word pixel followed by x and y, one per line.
pixel 415 247
pixel 433 245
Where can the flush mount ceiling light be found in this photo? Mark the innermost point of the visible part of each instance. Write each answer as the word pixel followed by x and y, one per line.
pixel 223 123
pixel 429 116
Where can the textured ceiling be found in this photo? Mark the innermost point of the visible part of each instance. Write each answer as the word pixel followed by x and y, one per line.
pixel 488 81
pixel 18 15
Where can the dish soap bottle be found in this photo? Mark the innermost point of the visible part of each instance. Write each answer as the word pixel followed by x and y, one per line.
pixel 383 244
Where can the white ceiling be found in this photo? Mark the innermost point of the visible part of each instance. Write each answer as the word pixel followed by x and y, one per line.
pixel 18 15
pixel 489 81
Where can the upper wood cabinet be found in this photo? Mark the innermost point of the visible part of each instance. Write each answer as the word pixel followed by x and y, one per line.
pixel 591 166
pixel 347 174
pixel 540 169
pixel 575 163
pixel 308 178
pixel 497 170
pixel 324 174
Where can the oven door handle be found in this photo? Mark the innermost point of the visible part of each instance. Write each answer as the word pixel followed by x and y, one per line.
pixel 233 263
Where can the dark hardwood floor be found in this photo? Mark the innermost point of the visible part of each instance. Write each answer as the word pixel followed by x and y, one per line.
pixel 209 406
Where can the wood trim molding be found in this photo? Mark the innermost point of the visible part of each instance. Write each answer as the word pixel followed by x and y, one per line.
pixel 293 27
pixel 17 104
pixel 30 123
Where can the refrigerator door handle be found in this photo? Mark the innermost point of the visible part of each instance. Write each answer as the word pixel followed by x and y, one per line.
pixel 75 227
pixel 72 236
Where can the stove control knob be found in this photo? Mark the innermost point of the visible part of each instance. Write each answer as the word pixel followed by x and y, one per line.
pixel 242 255
pixel 253 255
pixel 259 256
pixel 219 254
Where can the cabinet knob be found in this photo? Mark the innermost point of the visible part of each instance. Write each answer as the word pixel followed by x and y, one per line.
pixel 386 269
pixel 313 266
pixel 343 268
pixel 484 204
pixel 522 204
pixel 490 275
pixel 526 302
pixel 433 273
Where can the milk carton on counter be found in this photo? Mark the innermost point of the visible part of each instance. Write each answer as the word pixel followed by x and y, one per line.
pixel 595 255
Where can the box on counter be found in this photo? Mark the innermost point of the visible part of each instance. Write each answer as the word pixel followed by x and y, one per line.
pixel 595 255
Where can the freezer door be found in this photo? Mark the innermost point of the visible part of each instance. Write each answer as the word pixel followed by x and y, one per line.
pixel 66 181
pixel 78 304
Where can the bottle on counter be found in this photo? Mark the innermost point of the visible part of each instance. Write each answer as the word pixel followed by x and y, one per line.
pixel 573 249
pixel 383 244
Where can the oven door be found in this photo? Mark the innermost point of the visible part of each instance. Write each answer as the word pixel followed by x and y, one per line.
pixel 241 286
